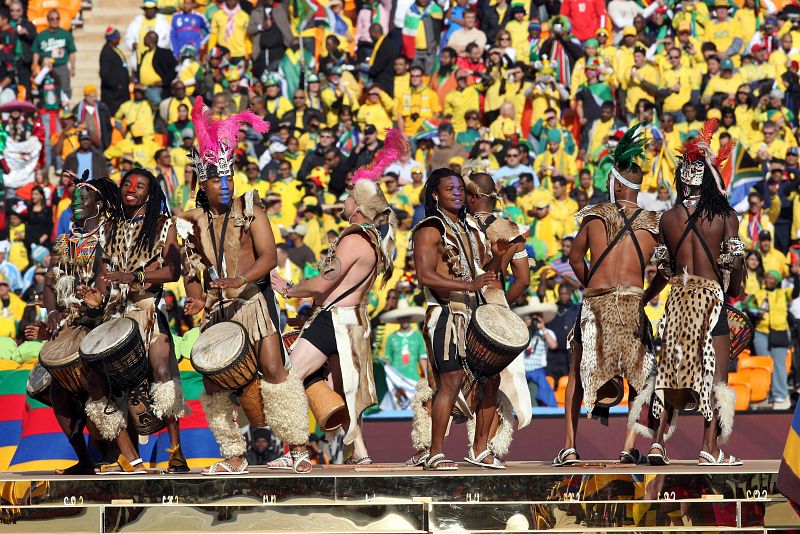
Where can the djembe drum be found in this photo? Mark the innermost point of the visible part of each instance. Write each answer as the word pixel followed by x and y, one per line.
pixel 116 350
pixel 742 331
pixel 140 408
pixel 61 358
pixel 38 386
pixel 495 337
pixel 224 355
pixel 328 407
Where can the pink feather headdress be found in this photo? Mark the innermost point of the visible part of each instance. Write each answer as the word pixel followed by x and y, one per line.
pixel 217 138
pixel 394 146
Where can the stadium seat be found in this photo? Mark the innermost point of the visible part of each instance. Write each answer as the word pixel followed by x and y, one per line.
pixel 562 382
pixel 742 392
pixel 551 381
pixel 561 394
pixel 789 356
pixel 759 379
pixel 757 361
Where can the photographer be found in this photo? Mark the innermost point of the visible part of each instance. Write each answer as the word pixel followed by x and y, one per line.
pixel 541 339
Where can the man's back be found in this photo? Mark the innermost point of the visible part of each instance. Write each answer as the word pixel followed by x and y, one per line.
pixel 694 250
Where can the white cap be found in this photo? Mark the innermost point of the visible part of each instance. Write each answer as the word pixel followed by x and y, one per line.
pixel 277 147
pixel 300 230
pixel 5 246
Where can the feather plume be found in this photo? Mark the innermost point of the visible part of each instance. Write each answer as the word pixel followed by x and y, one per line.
pixel 394 146
pixel 471 166
pixel 723 154
pixel 699 146
pixel 228 131
pixel 205 130
pixel 632 146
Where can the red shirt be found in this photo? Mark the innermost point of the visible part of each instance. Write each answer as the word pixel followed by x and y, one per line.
pixel 586 16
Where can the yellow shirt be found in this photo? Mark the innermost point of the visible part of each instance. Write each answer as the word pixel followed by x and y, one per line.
pixel 239 42
pixel 261 187
pixel 180 159
pixel 143 153
pixel 401 84
pixel 329 96
pixel 504 129
pixel 776 311
pixel 147 74
pixel 549 231
pixel 174 104
pixel 775 260
pixel 682 77
pixel 518 29
pixel 563 211
pixel 423 102
pixel 18 255
pixel 148 25
pixel 744 228
pixel 412 192
pixel 564 164
pixel 376 115
pixel 722 34
pixel 457 103
pixel 599 133
pixel 635 91
pixel 139 113
pixel 278 106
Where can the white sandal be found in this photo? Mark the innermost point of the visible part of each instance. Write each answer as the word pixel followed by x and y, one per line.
pixel 223 468
pixel 561 458
pixel 284 462
pixel 720 461
pixel 658 459
pixel 298 458
pixel 417 461
pixel 479 460
pixel 434 462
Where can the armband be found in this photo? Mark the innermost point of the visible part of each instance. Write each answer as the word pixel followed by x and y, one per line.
pixel 521 255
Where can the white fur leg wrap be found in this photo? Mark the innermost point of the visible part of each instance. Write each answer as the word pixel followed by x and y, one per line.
pixel 167 399
pixel 421 419
pixel 286 409
pixel 220 416
pixel 109 422
pixel 725 404
pixel 635 409
pixel 501 442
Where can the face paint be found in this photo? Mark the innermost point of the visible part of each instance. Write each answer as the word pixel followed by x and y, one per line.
pixel 133 181
pixel 226 192
pixel 76 201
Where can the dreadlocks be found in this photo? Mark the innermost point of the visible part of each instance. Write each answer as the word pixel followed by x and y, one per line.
pixel 432 185
pixel 155 206
pixel 110 195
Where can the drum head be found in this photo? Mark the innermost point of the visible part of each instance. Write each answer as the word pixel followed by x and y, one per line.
pixel 219 346
pixel 38 380
pixel 62 350
pixel 103 339
pixel 502 325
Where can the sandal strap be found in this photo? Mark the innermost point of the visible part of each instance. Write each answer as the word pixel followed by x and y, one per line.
pixel 436 459
pixel 563 453
pixel 707 457
pixel 659 448
pixel 482 456
pixel 298 457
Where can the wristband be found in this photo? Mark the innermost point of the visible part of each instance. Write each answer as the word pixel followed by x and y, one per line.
pixel 244 279
pixel 138 277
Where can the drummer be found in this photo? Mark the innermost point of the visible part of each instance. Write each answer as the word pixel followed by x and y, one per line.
pixel 606 344
pixel 140 254
pixel 339 324
pixel 449 256
pixel 496 434
pixel 229 240
pixel 74 261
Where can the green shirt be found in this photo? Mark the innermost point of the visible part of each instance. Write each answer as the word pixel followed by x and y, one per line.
pixel 57 45
pixel 403 352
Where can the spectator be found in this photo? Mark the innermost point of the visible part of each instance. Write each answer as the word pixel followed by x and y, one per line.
pixel 468 34
pixel 26 35
pixel 382 60
pixel 187 28
pixel 149 21
pixel 422 27
pixel 95 117
pixel 447 149
pixel 299 253
pixel 405 356
pixel 269 45
pixel 169 110
pixel 8 46
pixel 11 278
pixel 86 158
pixel 56 44
pixel 264 447
pixel 542 339
pixel 136 112
pixel 585 16
pixel 40 222
pixel 114 76
pixel 229 29
pixel 754 273
pixel 558 358
pixel 156 70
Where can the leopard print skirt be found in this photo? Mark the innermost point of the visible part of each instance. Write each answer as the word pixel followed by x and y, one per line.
pixel 687 361
pixel 612 346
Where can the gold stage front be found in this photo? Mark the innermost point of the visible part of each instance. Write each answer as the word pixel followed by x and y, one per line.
pixel 388 498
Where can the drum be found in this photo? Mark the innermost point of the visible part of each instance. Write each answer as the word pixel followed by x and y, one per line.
pixel 39 384
pixel 328 407
pixel 495 336
pixel 60 356
pixel 742 331
pixel 223 354
pixel 140 407
pixel 115 349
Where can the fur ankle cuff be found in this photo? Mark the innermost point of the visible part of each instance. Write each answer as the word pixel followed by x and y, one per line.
pixel 167 399
pixel 108 419
pixel 286 409
pixel 725 404
pixel 220 416
pixel 421 420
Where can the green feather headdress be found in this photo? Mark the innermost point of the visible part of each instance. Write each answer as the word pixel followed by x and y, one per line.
pixel 632 146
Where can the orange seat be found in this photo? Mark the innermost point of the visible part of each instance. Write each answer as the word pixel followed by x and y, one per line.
pixel 562 382
pixel 742 392
pixel 626 392
pixel 551 381
pixel 789 356
pixel 759 379
pixel 764 362
pixel 561 394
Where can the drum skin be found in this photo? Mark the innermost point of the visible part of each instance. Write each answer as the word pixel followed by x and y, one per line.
pixel 115 350
pixel 39 384
pixel 223 354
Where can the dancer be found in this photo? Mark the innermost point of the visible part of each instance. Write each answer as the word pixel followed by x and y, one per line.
pixel 74 261
pixel 450 259
pixel 606 341
pixel 229 240
pixel 496 435
pixel 140 254
pixel 703 259
pixel 339 324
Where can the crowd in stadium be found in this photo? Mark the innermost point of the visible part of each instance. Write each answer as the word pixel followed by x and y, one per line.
pixel 540 91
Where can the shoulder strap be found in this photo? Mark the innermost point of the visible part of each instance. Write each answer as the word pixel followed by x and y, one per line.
pixel 350 290
pixel 628 226
pixel 691 226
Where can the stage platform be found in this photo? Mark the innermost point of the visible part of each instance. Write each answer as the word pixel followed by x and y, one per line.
pixel 390 498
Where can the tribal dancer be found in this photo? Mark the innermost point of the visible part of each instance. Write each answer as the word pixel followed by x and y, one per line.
pixel 449 256
pixel 702 258
pixel 140 253
pixel 496 434
pixel 607 343
pixel 74 261
pixel 230 241
pixel 339 324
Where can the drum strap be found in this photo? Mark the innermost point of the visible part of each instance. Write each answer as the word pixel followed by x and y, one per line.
pixel 218 254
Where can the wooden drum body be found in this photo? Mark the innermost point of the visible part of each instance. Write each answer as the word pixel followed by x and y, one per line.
pixel 140 407
pixel 61 358
pixel 116 350
pixel 223 354
pixel 39 384
pixel 495 337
